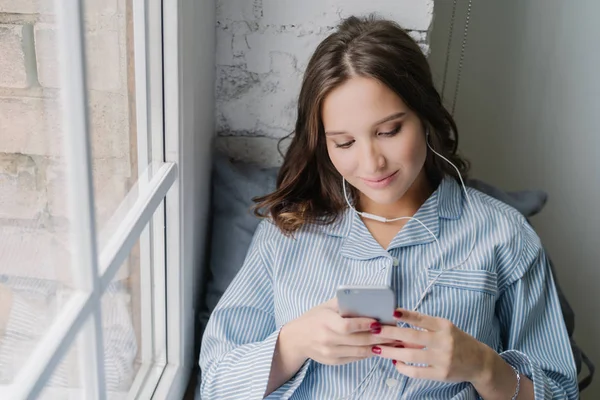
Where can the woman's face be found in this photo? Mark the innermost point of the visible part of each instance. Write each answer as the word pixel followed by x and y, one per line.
pixel 373 139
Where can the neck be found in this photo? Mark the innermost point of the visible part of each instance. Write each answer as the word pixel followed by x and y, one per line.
pixel 406 206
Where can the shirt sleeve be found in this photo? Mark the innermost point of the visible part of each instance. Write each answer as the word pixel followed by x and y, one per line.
pixel 534 335
pixel 241 334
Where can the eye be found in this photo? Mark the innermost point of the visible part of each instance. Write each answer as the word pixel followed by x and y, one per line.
pixel 344 145
pixel 392 132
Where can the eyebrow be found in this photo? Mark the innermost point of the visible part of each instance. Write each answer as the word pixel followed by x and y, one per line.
pixel 381 121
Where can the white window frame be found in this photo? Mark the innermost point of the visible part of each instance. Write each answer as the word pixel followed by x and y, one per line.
pixel 175 123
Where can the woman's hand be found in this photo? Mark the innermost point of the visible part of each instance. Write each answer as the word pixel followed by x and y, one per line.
pixel 448 353
pixel 324 336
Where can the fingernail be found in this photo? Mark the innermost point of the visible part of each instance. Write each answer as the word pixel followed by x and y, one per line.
pixel 376 350
pixel 394 362
pixel 397 314
pixel 399 346
pixel 375 331
pixel 375 325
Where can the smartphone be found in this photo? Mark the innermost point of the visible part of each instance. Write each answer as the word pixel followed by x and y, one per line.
pixel 378 302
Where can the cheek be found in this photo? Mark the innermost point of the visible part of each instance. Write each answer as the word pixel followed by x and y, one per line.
pixel 342 160
pixel 409 151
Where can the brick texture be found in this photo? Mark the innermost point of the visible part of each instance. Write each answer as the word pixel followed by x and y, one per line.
pixel 103 58
pixel 20 6
pixel 34 125
pixel 12 57
pixel 30 125
pixel 111 184
pixel 22 193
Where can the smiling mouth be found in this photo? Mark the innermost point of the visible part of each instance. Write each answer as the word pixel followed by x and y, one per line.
pixel 380 180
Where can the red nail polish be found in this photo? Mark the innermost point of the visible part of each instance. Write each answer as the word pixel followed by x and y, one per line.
pixel 376 331
pixel 376 350
pixel 394 362
pixel 399 346
pixel 375 325
pixel 397 314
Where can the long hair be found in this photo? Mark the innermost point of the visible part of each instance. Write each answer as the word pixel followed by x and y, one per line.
pixel 309 188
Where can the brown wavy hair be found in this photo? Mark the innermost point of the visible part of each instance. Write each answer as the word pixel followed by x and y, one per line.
pixel 309 188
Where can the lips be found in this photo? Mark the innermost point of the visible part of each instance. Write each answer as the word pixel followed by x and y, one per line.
pixel 379 179
pixel 380 182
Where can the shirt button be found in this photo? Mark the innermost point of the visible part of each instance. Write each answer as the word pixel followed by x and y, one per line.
pixel 395 261
pixel 391 382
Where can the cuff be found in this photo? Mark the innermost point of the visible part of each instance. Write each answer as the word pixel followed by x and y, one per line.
pixel 529 369
pixel 264 356
pixel 285 391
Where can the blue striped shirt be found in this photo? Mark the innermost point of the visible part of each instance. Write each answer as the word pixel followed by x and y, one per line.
pixel 503 295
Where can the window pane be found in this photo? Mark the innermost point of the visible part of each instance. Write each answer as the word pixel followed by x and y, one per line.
pixel 35 249
pixel 111 103
pixel 65 382
pixel 121 323
pixel 28 306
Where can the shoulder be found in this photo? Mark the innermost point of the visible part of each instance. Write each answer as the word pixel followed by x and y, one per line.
pixel 488 207
pixel 516 244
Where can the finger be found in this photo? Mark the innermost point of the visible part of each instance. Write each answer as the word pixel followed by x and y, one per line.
pixel 399 343
pixel 340 352
pixel 419 320
pixel 408 335
pixel 363 339
pixel 346 326
pixel 415 372
pixel 408 356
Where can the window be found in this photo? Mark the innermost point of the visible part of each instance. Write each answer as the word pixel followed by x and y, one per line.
pixel 103 151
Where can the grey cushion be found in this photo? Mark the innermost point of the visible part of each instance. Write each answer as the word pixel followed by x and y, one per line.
pixel 527 202
pixel 234 184
pixel 233 223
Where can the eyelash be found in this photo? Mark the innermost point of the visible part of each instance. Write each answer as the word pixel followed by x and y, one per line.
pixel 387 134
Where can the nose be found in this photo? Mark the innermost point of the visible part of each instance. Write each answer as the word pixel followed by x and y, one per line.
pixel 372 158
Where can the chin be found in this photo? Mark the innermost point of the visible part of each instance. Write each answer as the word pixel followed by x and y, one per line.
pixel 383 197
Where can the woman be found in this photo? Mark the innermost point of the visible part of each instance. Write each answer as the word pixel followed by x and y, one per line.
pixel 479 314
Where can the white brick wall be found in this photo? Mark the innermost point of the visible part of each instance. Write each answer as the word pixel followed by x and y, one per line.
pixel 22 195
pixel 262 49
pixel 12 57
pixel 30 125
pixel 20 6
pixel 103 55
pixel 110 184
